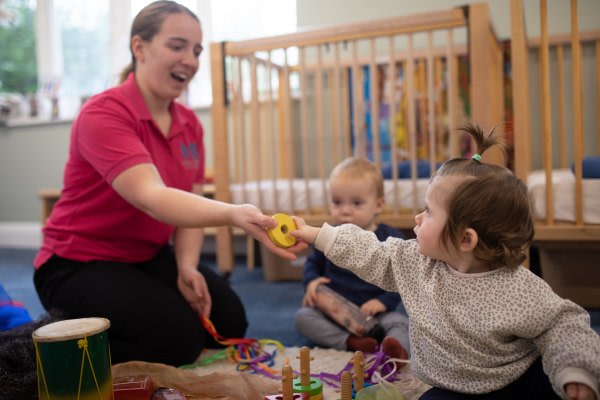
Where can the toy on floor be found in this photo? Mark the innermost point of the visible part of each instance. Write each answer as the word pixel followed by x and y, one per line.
pixel 280 234
pixel 382 391
pixel 249 354
pixel 347 314
pixel 359 371
pixel 168 394
pixel 305 383
pixel 346 386
pixel 73 359
pixel 287 390
pixel 133 387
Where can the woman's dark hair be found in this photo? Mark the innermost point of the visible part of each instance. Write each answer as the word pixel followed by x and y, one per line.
pixel 148 22
pixel 492 201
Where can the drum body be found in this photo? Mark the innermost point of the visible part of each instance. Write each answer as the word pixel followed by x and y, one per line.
pixel 73 360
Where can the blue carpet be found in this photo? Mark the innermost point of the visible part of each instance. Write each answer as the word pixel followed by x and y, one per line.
pixel 270 307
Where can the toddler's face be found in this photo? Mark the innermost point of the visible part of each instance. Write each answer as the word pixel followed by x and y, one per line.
pixel 432 220
pixel 354 201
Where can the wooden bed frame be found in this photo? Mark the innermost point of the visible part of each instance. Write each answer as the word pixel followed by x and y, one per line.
pixel 568 251
pixel 277 118
pixel 557 142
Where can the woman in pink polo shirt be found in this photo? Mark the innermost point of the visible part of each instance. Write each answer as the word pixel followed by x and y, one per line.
pixel 124 240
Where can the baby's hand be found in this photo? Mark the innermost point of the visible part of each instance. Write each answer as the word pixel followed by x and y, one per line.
pixel 310 297
pixel 579 391
pixel 372 307
pixel 305 232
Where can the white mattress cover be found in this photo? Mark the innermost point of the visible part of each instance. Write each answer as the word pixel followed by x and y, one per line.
pixel 317 190
pixel 563 189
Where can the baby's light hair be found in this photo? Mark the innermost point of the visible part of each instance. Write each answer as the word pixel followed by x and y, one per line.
pixel 492 201
pixel 359 168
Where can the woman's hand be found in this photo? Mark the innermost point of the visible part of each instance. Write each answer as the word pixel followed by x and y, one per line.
pixel 255 223
pixel 579 391
pixel 372 307
pixel 310 297
pixel 192 285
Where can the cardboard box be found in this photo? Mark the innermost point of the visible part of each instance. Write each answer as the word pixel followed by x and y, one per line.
pixel 276 268
pixel 572 270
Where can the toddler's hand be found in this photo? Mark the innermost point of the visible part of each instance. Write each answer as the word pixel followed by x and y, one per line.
pixel 372 307
pixel 579 391
pixel 305 232
pixel 310 297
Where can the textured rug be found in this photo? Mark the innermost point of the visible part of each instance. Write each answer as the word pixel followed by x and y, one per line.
pixel 328 361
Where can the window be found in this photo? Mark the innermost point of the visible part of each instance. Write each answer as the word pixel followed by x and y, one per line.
pixel 18 75
pixel 82 46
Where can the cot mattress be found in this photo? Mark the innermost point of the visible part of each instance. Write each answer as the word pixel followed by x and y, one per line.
pixel 299 195
pixel 563 189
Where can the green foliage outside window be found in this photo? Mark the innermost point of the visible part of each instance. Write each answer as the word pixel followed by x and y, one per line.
pixel 18 70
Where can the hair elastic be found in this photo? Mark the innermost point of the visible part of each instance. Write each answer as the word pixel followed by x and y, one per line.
pixel 476 157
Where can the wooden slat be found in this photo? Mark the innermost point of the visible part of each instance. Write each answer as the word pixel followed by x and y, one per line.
pixel 545 111
pixel 336 107
pixel 412 123
pixel 242 162
pixel 346 123
pixel 224 240
pixel 562 135
pixel 289 133
pixel 392 122
pixel 273 137
pixel 520 91
pixel 577 112
pixel 359 144
pixel 374 97
pixel 320 141
pixel 431 104
pixel 597 96
pixel 452 94
pixel 304 126
pixel 485 67
pixel 255 132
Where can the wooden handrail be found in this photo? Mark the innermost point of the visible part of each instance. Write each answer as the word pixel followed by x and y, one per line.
pixel 339 33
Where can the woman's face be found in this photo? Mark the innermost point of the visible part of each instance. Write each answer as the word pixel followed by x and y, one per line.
pixel 168 62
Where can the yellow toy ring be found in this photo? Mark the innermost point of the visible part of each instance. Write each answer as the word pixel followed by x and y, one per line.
pixel 280 234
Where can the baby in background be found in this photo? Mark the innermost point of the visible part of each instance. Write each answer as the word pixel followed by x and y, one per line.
pixel 357 197
pixel 481 325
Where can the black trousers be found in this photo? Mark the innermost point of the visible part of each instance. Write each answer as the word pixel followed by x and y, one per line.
pixel 532 385
pixel 150 319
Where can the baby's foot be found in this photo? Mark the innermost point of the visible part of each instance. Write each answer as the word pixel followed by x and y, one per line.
pixel 364 344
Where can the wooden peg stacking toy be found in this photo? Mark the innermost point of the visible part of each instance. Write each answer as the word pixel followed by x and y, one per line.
pixel 287 391
pixel 346 386
pixel 280 234
pixel 359 371
pixel 287 382
pixel 305 383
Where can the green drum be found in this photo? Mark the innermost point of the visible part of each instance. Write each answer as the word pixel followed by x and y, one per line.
pixel 73 360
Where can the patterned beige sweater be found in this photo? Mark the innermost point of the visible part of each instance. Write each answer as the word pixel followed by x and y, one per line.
pixel 473 333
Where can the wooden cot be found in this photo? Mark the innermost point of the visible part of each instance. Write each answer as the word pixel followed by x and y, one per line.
pixel 287 108
pixel 568 226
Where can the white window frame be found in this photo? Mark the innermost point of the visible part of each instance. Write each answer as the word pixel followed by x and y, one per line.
pixel 49 47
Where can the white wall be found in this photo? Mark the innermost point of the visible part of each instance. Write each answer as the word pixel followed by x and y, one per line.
pixel 319 12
